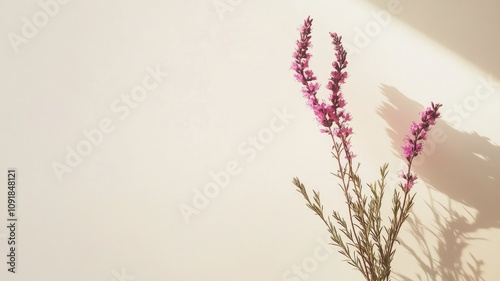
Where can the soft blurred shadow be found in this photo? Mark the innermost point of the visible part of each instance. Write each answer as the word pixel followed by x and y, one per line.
pixel 468 28
pixel 465 167
pixel 447 258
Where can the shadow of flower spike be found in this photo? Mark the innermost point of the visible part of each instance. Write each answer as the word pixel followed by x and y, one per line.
pixel 465 167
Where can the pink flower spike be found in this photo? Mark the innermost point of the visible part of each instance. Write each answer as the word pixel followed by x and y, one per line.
pixel 414 144
pixel 331 115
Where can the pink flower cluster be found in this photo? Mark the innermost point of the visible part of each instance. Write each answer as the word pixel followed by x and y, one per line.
pixel 414 144
pixel 333 112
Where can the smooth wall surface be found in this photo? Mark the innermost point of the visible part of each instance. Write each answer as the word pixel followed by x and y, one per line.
pixel 157 140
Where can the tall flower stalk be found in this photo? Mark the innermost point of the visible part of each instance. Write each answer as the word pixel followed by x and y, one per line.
pixel 363 238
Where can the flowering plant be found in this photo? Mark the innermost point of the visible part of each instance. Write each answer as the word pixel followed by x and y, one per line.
pixel 363 239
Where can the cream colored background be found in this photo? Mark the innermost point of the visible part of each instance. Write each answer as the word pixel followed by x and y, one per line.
pixel 118 211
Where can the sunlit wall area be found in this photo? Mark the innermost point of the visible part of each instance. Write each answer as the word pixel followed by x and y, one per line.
pixel 158 140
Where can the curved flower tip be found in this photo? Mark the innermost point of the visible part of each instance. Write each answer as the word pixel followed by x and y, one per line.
pixel 414 144
pixel 327 113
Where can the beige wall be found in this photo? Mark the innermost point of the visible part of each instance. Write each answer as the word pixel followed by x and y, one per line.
pixel 118 115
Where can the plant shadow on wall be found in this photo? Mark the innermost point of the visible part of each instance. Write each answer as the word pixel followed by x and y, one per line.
pixel 446 259
pixel 469 166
